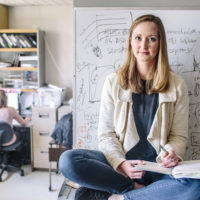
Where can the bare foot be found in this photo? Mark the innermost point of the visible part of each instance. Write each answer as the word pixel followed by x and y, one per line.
pixel 116 197
pixel 138 186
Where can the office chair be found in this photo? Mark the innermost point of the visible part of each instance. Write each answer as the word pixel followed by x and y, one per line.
pixel 6 134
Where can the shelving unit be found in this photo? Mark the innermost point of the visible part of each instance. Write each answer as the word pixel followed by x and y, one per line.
pixel 27 78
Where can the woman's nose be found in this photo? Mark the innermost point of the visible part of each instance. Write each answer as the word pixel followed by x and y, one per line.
pixel 144 44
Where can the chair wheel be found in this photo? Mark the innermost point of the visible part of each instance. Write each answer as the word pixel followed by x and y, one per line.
pixel 22 173
pixel 50 188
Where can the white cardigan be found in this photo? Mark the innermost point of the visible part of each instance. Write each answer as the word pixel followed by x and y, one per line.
pixel 117 132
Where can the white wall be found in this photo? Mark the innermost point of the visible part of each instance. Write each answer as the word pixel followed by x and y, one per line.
pixel 57 22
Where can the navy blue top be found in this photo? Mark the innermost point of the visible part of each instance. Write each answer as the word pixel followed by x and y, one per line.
pixel 144 110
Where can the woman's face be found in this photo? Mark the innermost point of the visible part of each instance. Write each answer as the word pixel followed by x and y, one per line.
pixel 145 42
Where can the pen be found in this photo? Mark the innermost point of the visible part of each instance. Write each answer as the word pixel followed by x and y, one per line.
pixel 164 149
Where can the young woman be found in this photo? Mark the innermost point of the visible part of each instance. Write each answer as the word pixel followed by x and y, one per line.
pixel 144 105
pixel 7 114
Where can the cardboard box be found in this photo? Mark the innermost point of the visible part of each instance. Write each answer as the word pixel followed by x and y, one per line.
pixel 49 97
pixel 3 17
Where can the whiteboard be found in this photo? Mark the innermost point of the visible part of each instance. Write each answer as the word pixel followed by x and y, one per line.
pixel 100 48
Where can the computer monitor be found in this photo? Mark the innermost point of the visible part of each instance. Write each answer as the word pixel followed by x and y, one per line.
pixel 13 100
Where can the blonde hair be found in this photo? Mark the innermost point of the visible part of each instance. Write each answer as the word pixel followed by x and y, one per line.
pixel 128 76
pixel 3 99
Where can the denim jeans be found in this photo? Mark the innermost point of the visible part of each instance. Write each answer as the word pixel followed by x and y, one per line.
pixel 90 169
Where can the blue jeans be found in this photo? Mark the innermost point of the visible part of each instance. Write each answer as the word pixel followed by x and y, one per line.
pixel 90 169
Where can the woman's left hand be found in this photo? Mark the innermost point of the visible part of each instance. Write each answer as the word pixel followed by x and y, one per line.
pixel 169 160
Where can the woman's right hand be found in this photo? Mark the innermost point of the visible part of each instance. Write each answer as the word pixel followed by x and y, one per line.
pixel 28 119
pixel 128 168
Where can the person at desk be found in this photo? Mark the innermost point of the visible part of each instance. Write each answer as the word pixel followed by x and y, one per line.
pixel 7 114
pixel 143 105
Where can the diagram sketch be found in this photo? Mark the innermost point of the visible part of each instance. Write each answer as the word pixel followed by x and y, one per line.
pixel 100 48
pixel 104 27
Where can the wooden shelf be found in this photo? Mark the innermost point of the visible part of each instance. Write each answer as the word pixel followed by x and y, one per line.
pixel 18 49
pixel 18 31
pixel 19 69
pixel 19 89
pixel 28 90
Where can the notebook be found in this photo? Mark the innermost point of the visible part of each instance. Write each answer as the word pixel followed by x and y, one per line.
pixel 185 169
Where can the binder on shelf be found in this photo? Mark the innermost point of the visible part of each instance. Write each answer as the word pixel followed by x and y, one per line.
pixel 9 43
pixel 13 40
pixel 19 44
pixel 2 43
pixel 20 39
pixel 26 42
pixel 33 40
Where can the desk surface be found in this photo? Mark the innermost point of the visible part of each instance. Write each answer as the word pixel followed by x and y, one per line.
pixel 15 123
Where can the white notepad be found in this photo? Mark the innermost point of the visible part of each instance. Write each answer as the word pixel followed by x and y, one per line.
pixel 185 169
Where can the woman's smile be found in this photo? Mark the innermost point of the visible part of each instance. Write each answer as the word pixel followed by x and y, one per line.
pixel 144 53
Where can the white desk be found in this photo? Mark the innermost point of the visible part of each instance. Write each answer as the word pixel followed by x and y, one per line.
pixel 15 123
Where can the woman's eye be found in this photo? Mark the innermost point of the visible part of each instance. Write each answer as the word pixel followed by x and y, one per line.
pixel 152 39
pixel 138 38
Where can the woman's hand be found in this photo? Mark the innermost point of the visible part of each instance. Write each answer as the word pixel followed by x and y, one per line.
pixel 28 119
pixel 128 168
pixel 169 160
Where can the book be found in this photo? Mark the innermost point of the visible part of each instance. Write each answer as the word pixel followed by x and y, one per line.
pixel 185 169
pixel 16 61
